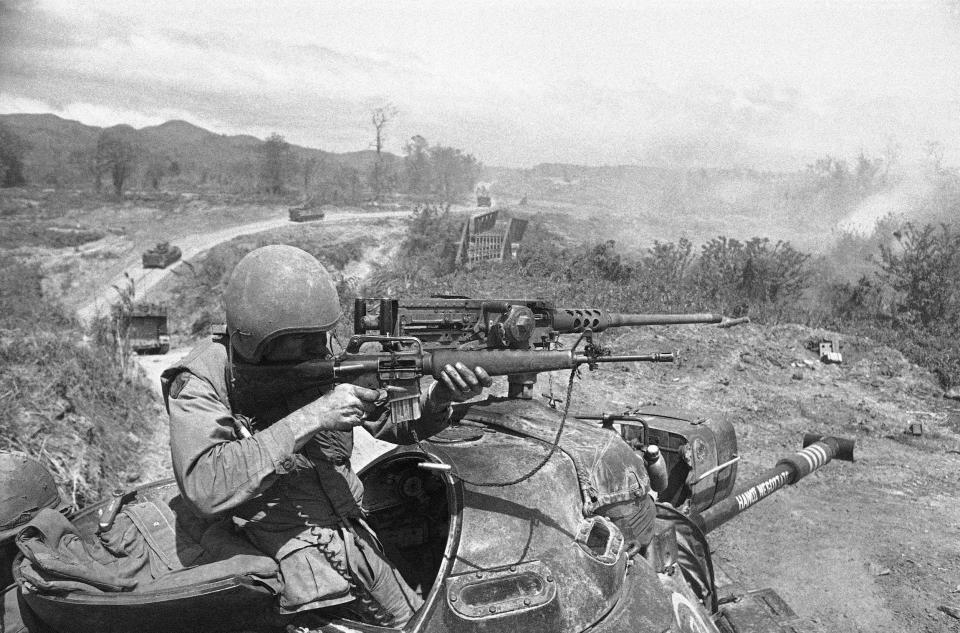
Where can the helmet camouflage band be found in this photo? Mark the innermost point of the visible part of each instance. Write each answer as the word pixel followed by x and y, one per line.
pixel 277 290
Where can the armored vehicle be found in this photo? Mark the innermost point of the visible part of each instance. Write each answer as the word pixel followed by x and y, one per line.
pixel 145 326
pixel 161 255
pixel 306 213
pixel 496 520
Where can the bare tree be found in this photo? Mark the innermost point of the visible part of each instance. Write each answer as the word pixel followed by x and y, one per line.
pixel 380 117
pixel 115 155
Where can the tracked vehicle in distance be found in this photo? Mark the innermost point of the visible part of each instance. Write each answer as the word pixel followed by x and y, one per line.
pixel 161 255
pixel 492 519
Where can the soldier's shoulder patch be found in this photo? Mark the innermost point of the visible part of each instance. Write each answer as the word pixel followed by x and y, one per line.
pixel 179 383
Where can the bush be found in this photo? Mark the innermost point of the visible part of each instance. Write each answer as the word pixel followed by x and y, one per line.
pixel 63 400
pixel 909 301
pixel 924 273
pixel 196 296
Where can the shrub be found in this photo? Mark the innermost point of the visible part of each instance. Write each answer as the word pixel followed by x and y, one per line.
pixel 65 401
pixel 924 274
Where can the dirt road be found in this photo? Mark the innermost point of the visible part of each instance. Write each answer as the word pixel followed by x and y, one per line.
pixel 144 280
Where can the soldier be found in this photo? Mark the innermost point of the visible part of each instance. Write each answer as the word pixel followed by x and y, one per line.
pixel 289 485
pixel 26 487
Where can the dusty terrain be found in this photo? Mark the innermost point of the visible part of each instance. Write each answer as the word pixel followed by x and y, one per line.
pixel 862 547
pixel 867 546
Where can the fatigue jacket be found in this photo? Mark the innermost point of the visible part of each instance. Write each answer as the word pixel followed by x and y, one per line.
pixel 283 498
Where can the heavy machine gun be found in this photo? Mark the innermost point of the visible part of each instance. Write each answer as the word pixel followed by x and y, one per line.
pixel 456 322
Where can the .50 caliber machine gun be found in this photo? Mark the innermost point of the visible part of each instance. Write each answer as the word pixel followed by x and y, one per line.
pixel 455 322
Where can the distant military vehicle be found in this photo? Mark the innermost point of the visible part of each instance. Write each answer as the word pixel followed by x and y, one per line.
pixel 161 255
pixel 306 212
pixel 145 326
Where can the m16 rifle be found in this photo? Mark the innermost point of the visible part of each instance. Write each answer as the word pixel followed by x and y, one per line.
pixel 399 363
pixel 453 322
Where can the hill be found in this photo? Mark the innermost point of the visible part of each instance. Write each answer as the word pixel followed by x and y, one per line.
pixel 178 154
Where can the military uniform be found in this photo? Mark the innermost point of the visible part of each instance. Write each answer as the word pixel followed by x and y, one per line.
pixel 300 507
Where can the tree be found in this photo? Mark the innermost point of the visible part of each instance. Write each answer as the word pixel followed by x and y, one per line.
pixel 155 172
pixel 923 271
pixel 454 173
pixel 116 155
pixel 274 154
pixel 380 117
pixel 417 166
pixel 12 150
pixel 308 167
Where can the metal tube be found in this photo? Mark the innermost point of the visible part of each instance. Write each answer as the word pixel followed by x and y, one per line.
pixel 788 470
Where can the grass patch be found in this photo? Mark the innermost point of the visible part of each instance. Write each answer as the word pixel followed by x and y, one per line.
pixel 195 297
pixel 69 403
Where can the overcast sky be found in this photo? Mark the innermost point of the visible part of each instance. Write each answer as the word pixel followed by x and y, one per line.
pixel 767 84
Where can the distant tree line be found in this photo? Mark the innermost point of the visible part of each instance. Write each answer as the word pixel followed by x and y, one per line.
pixel 119 159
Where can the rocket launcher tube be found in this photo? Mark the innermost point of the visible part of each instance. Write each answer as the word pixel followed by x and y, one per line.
pixel 817 452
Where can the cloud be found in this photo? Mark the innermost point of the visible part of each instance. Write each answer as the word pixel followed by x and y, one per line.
pixel 774 83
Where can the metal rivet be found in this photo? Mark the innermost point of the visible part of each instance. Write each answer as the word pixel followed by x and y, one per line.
pixel 479 575
pixel 513 568
pixel 453 598
pixel 526 602
pixel 549 578
pixel 493 609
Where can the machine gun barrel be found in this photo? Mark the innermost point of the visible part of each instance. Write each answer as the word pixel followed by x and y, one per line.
pixel 456 322
pixel 817 452
pixel 574 320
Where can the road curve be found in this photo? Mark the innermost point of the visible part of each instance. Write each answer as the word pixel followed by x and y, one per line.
pixel 145 279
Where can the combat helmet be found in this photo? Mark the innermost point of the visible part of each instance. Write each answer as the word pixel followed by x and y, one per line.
pixel 26 487
pixel 277 290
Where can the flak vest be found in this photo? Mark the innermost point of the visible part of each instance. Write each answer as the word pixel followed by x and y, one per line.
pixel 329 451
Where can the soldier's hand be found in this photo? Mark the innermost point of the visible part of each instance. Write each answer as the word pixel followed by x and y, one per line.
pixel 458 383
pixel 344 407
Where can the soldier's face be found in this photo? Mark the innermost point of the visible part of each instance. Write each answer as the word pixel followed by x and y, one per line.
pixel 296 347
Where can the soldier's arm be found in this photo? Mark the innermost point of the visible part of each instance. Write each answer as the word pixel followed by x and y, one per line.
pixel 216 469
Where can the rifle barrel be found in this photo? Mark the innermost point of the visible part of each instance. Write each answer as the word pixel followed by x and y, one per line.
pixel 506 362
